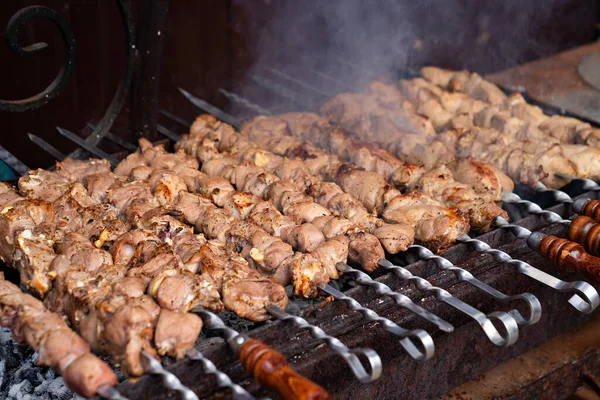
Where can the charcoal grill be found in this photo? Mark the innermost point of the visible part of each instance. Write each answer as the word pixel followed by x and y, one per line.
pixel 468 271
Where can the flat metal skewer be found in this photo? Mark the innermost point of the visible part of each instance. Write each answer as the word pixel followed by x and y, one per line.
pixel 586 298
pixel 86 146
pixel 167 133
pixel 258 359
pixel 115 139
pixel 108 392
pixel 371 316
pixel 558 195
pixel 47 147
pixel 209 108
pixel 175 118
pixel 223 381
pixel 349 355
pixel 535 308
pixel 507 320
pixel 239 99
pixel 532 208
pixel 153 367
pixel 19 167
pixel 400 299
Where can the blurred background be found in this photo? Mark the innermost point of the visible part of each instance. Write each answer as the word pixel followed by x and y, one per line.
pixel 214 44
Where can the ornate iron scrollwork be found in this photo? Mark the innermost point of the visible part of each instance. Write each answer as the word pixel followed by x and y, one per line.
pixel 11 35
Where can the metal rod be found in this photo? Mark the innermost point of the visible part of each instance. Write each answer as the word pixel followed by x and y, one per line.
pixel 175 118
pixel 298 82
pixel 47 147
pixel 558 195
pixel 532 208
pixel 586 298
pixel 153 367
pixel 507 320
pixel 13 162
pixel 236 98
pixel 350 355
pixel 167 133
pixel 278 89
pixel 223 381
pixel 109 393
pixel 117 140
pixel 588 184
pixel 535 308
pixel 86 146
pixel 400 299
pixel 209 108
pixel 371 316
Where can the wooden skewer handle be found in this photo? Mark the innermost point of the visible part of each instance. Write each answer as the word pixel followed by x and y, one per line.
pixel 270 368
pixel 570 256
pixel 586 231
pixel 590 208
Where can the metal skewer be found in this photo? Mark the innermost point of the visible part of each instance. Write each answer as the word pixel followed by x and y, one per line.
pixel 350 355
pixel 236 98
pixel 91 148
pixel 586 298
pixel 557 195
pixel 108 392
pixel 153 367
pixel 167 133
pixel 13 162
pixel 115 139
pixel 400 299
pixel 371 316
pixel 223 381
pixel 535 308
pixel 209 108
pixel 175 118
pixel 47 147
pixel 509 323
pixel 532 208
pixel 265 364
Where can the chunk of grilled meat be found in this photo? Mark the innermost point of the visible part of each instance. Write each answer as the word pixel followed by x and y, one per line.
pixel 368 187
pixel 57 345
pixel 287 195
pixel 543 136
pixel 224 273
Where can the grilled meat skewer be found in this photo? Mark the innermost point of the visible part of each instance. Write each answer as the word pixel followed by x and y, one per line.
pixel 243 289
pixel 269 254
pixel 437 231
pixel 438 183
pixel 58 346
pixel 100 301
pixel 286 196
pixel 384 106
pixel 567 130
pixel 568 142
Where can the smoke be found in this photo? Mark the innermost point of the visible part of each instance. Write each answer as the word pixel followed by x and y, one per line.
pixel 339 45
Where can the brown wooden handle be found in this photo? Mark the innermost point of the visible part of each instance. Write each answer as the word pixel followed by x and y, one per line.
pixel 270 368
pixel 569 256
pixel 586 231
pixel 591 208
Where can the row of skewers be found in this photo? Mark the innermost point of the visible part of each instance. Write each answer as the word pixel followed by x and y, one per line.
pixel 322 215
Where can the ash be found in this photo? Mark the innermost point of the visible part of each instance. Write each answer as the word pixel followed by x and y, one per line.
pixel 21 379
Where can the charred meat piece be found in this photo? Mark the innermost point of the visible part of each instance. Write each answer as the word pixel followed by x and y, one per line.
pixel 58 347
